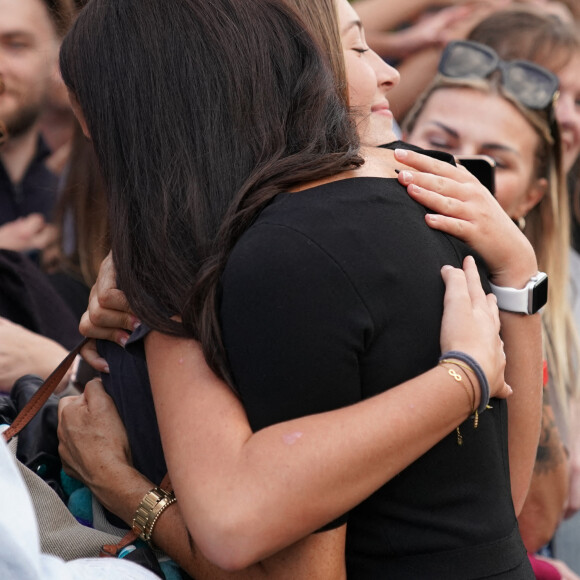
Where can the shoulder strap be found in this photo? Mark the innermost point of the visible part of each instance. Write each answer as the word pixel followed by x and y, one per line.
pixel 41 396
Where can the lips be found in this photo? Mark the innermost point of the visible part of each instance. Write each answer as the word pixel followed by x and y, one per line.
pixel 381 108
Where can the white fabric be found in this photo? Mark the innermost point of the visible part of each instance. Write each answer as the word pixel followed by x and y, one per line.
pixel 20 556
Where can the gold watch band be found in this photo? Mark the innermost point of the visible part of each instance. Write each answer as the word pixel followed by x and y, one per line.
pixel 153 504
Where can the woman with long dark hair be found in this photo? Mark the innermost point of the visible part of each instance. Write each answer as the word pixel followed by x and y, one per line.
pixel 249 138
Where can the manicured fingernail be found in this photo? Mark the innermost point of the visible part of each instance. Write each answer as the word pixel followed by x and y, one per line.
pixel 446 267
pixel 401 153
pixel 123 341
pixel 136 324
pixel 406 176
pixel 106 369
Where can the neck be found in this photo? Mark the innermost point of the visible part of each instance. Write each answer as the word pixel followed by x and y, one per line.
pixel 17 154
pixel 378 163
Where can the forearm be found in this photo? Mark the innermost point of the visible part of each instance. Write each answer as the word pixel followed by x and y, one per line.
pixel 522 337
pixel 120 489
pixel 377 16
pixel 546 499
pixel 236 488
pixel 397 45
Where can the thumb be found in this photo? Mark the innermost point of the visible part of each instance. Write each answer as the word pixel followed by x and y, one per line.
pixel 505 392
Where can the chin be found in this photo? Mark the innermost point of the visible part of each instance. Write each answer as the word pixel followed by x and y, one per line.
pixel 378 134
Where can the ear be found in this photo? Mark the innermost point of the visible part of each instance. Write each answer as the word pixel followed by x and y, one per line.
pixel 79 115
pixel 536 192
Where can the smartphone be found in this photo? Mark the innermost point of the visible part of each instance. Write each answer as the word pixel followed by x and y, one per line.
pixel 482 166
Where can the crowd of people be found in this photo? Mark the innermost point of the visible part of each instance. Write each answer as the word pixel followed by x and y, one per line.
pixel 336 342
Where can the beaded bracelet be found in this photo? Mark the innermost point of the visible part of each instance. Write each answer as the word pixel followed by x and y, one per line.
pixel 477 371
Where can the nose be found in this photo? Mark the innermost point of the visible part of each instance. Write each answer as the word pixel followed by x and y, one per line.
pixel 387 76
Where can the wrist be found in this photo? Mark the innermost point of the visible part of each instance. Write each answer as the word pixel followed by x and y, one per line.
pixel 516 272
pixel 150 509
pixel 480 386
pixel 526 300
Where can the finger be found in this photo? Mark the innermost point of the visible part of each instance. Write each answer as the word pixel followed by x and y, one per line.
pixel 426 164
pixel 66 403
pixel 505 392
pixel 454 226
pixel 96 397
pixel 456 291
pixel 476 293
pixel 445 202
pixel 109 295
pixel 36 219
pixel 91 356
pixel 104 325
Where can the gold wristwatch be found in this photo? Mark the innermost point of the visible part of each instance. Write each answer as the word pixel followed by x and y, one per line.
pixel 151 507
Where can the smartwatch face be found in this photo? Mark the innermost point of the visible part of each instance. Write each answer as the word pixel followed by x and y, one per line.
pixel 539 294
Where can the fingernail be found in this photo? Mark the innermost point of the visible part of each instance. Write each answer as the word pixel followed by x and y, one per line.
pixel 406 176
pixel 446 267
pixel 136 324
pixel 123 341
pixel 106 369
pixel 401 153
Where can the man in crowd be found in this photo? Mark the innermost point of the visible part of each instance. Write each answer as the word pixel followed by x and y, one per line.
pixel 30 35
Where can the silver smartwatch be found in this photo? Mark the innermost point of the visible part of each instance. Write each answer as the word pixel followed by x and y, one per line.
pixel 527 300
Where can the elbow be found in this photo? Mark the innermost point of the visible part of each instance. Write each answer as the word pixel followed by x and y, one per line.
pixel 231 542
pixel 534 540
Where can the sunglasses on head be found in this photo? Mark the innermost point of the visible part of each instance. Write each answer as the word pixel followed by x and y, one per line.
pixel 532 85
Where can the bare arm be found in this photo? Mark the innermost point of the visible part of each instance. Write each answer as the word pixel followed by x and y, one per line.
pixel 431 30
pixel 544 505
pixel 468 211
pixel 94 449
pixel 23 351
pixel 377 15
pixel 291 478
pixel 235 486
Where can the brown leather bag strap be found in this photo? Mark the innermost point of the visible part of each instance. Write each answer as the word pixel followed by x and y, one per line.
pixel 41 396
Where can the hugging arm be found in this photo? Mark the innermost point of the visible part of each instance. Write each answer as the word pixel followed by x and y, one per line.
pixel 244 494
pixel 94 449
pixel 465 209
pixel 317 466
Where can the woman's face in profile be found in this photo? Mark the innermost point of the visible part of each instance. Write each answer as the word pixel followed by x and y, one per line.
pixel 369 79
pixel 465 121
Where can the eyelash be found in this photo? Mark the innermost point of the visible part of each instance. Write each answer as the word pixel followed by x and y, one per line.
pixel 361 50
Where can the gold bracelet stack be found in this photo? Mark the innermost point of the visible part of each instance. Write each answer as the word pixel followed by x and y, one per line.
pixel 471 399
pixel 155 502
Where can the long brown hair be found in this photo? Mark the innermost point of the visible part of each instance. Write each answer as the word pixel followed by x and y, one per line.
pixel 200 113
pixel 321 20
